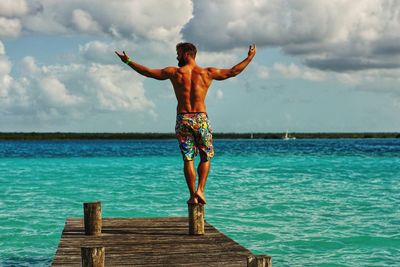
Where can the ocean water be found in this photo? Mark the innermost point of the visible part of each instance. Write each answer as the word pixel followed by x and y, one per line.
pixel 309 202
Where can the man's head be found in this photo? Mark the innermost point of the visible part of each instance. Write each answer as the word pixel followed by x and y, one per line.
pixel 183 51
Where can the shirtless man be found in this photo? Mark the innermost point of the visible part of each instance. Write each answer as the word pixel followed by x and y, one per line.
pixel 193 130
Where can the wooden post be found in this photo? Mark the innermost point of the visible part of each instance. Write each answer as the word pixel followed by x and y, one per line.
pixel 196 219
pixel 92 219
pixel 93 256
pixel 259 261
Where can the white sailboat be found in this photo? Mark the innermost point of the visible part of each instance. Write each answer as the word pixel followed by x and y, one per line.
pixel 287 137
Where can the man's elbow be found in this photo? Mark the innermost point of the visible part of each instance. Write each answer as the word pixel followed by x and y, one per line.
pixel 234 72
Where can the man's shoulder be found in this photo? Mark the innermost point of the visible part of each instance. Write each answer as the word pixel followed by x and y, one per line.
pixel 170 70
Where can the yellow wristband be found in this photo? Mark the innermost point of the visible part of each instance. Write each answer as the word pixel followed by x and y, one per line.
pixel 128 61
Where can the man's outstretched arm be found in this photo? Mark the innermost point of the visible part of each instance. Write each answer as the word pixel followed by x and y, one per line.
pixel 222 74
pixel 159 74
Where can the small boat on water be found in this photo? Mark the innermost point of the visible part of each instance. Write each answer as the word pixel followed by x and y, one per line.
pixel 288 137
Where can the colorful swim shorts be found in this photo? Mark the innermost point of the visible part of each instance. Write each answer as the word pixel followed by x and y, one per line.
pixel 194 132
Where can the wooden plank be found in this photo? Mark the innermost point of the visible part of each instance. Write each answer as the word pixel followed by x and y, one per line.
pixel 150 242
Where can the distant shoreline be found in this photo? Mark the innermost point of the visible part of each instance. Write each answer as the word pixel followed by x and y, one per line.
pixel 151 136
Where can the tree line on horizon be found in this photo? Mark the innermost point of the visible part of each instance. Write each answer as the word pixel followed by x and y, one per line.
pixel 121 136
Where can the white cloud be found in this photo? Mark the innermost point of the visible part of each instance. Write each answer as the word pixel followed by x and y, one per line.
pixel 84 22
pixel 11 8
pixel 5 65
pixel 293 71
pixel 97 51
pixel 381 80
pixel 117 89
pixel 289 71
pixel 216 59
pixel 52 92
pixel 9 27
pixel 56 94
pixel 314 75
pixel 162 34
pixel 150 20
pixel 329 35
pixel 104 52
pixel 37 91
pixel 29 65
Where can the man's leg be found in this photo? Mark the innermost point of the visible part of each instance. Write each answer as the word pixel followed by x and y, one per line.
pixel 203 170
pixel 190 175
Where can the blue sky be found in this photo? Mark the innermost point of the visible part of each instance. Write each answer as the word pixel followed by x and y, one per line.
pixel 321 66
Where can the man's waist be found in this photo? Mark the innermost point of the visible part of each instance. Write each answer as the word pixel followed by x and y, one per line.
pixel 198 115
pixel 191 112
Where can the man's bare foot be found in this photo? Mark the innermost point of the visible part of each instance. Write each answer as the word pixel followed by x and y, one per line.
pixel 200 196
pixel 193 200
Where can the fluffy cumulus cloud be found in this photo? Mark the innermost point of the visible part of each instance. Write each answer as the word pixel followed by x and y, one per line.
pixel 219 59
pixel 53 91
pixel 56 94
pixel 97 51
pixel 10 8
pixel 35 92
pixel 10 11
pixel 117 89
pixel 132 20
pixel 334 35
pixel 122 19
pixel 293 71
pixel 84 22
pixel 9 27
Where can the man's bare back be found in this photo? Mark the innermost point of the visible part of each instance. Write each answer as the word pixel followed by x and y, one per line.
pixel 191 83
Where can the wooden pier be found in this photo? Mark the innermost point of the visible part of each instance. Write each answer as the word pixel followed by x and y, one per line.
pixel 152 242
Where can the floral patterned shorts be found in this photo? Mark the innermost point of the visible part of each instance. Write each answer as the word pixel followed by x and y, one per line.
pixel 193 130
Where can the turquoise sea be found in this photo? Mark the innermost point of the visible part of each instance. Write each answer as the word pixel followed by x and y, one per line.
pixel 315 202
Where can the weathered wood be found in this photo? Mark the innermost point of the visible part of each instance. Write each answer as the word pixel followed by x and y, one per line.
pixel 92 218
pixel 93 256
pixel 150 242
pixel 259 261
pixel 196 219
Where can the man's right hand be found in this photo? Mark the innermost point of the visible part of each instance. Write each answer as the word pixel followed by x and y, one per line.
pixel 252 51
pixel 124 57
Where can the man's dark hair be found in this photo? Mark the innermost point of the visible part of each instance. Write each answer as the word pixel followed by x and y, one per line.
pixel 187 48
